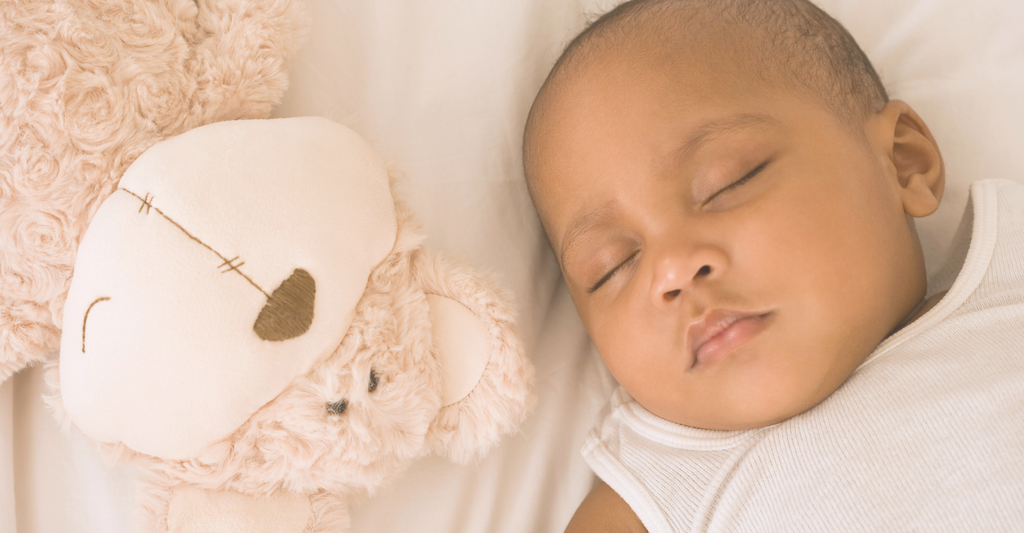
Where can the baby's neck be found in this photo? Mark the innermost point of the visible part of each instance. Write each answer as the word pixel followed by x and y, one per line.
pixel 922 307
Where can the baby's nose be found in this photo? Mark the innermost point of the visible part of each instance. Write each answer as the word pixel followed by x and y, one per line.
pixel 680 271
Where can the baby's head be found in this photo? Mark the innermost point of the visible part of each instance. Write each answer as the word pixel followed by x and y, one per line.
pixel 726 187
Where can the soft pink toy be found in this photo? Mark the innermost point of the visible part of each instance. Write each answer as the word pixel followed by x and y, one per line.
pixel 85 87
pixel 254 322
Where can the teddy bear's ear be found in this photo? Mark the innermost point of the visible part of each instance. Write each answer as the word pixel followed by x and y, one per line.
pixel 486 376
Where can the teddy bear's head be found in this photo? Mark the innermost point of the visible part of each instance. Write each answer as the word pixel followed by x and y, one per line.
pixel 85 87
pixel 253 312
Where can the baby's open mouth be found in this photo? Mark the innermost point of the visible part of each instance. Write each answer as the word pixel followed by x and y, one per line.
pixel 720 332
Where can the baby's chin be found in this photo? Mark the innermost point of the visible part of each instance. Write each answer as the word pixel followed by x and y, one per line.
pixel 748 405
pixel 750 417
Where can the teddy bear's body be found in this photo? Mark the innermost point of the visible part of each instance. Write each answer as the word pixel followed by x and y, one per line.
pixel 87 86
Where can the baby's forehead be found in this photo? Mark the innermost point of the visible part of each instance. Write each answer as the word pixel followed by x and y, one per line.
pixel 788 44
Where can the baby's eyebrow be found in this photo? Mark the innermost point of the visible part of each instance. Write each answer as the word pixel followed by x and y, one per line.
pixel 580 226
pixel 720 126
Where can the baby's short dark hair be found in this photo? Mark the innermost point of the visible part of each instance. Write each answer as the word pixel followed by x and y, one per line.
pixel 801 42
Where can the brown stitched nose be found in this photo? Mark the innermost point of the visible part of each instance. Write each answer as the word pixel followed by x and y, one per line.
pixel 289 309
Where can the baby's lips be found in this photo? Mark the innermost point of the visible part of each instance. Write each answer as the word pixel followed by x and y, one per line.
pixel 710 324
pixel 713 325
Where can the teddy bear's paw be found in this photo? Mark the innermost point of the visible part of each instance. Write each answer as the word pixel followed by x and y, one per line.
pixel 190 509
pixel 328 513
pixel 195 510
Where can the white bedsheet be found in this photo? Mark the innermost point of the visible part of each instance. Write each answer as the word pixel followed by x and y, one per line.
pixel 441 89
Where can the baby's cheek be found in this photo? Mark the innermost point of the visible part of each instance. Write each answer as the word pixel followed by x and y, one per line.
pixel 634 346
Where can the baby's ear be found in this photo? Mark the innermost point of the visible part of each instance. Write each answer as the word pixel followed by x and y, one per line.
pixel 486 376
pixel 915 158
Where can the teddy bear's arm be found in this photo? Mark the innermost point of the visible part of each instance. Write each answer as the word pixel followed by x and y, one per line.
pixel 240 63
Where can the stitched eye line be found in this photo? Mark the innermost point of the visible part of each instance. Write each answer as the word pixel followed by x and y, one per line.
pixel 231 266
pixel 289 310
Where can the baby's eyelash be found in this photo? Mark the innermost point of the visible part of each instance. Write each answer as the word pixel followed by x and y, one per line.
pixel 757 170
pixel 750 174
pixel 612 272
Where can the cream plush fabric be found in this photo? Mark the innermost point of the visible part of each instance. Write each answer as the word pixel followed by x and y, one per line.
pixel 441 89
pixel 457 336
pixel 180 264
pixel 323 389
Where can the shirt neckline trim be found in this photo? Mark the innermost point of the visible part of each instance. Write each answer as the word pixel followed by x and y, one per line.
pixel 657 429
pixel 976 263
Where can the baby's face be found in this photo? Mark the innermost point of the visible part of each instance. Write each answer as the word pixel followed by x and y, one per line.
pixel 734 249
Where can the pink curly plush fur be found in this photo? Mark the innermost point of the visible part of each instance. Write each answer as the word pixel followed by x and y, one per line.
pixel 87 86
pixel 296 445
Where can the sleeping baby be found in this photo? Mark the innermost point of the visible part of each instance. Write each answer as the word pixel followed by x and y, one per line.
pixel 730 194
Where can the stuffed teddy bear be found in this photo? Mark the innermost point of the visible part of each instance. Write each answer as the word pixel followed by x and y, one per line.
pixel 85 87
pixel 254 322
